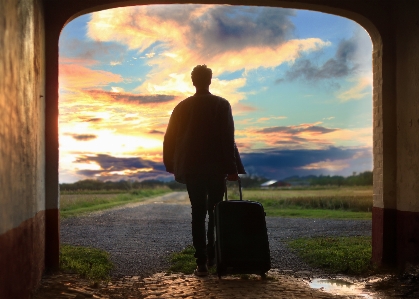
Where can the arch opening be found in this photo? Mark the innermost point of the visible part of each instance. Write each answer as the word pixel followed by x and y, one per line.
pixel 318 132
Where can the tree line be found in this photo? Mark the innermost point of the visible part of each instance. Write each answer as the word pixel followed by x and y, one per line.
pixel 248 181
pixel 362 179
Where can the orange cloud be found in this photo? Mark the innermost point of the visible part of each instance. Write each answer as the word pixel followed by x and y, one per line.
pixel 241 108
pixel 74 77
pixel 330 165
pixel 77 61
pixel 335 165
pixel 303 136
pixel 362 88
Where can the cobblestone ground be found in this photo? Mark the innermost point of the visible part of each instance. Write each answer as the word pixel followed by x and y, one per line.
pixel 165 285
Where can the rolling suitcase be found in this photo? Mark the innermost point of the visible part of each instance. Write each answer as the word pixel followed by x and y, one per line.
pixel 242 245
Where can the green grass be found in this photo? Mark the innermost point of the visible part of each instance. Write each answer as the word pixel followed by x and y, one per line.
pixel 78 203
pixel 348 255
pixel 289 192
pixel 184 262
pixel 340 203
pixel 88 262
pixel 315 213
pixel 345 255
pixel 64 192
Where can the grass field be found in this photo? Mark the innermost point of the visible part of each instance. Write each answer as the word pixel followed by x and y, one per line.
pixel 88 262
pixel 76 203
pixel 184 261
pixel 333 202
pixel 344 255
pixel 349 255
pixel 93 192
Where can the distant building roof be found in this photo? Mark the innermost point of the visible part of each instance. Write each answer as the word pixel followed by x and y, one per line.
pixel 268 183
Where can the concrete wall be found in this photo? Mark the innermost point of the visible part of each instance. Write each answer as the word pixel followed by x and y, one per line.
pixel 22 157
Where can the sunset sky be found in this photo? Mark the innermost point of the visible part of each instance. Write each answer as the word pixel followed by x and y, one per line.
pixel 299 82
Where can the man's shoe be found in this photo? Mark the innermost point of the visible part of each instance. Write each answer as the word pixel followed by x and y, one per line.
pixel 210 262
pixel 201 270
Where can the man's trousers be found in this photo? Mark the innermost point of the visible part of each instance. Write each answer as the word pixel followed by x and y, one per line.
pixel 204 194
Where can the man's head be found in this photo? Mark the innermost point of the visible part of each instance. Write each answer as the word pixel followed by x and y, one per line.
pixel 201 76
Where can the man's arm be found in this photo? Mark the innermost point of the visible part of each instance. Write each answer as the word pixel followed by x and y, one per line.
pixel 169 143
pixel 228 145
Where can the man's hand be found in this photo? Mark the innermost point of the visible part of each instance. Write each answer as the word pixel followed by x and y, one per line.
pixel 232 177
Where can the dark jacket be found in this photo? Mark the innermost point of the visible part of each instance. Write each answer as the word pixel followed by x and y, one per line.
pixel 199 139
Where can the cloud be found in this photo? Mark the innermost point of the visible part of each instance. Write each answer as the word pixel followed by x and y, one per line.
pixel 225 38
pixel 297 129
pixel 118 168
pixel 207 29
pixel 278 164
pixel 352 58
pixel 225 28
pixel 302 136
pixel 91 50
pixel 82 137
pixel 362 89
pixel 125 116
pixel 133 98
pixel 242 108
pixel 155 132
pixel 76 77
pixel 341 65
pixel 77 61
pixel 108 162
pixel 262 119
pixel 292 140
pixel 94 119
pixel 328 165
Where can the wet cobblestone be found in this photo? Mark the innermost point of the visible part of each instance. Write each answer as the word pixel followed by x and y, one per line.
pixel 167 285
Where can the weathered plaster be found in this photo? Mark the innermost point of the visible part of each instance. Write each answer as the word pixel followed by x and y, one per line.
pixel 22 157
pixel 22 151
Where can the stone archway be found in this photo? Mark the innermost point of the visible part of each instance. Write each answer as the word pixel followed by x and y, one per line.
pixel 58 14
pixel 29 190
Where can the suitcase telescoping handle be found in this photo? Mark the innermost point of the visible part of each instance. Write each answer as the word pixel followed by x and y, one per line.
pixel 240 189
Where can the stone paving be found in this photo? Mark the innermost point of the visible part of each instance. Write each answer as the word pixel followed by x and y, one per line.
pixel 166 285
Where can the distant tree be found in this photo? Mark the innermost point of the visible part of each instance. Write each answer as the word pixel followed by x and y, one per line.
pixel 148 184
pixel 362 179
pixel 327 180
pixel 251 181
pixel 110 185
pixel 173 185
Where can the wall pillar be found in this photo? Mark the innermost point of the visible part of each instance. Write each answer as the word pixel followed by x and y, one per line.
pixel 384 213
pixel 52 192
pixel 407 47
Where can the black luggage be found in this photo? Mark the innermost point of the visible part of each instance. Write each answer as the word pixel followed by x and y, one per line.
pixel 242 244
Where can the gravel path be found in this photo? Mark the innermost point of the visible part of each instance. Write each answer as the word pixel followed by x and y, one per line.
pixel 140 237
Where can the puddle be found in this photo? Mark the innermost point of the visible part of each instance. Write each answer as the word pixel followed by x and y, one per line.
pixel 341 287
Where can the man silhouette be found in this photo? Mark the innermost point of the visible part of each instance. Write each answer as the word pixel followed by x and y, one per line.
pixel 199 149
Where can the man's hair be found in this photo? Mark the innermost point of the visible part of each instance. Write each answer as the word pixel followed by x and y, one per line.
pixel 201 75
